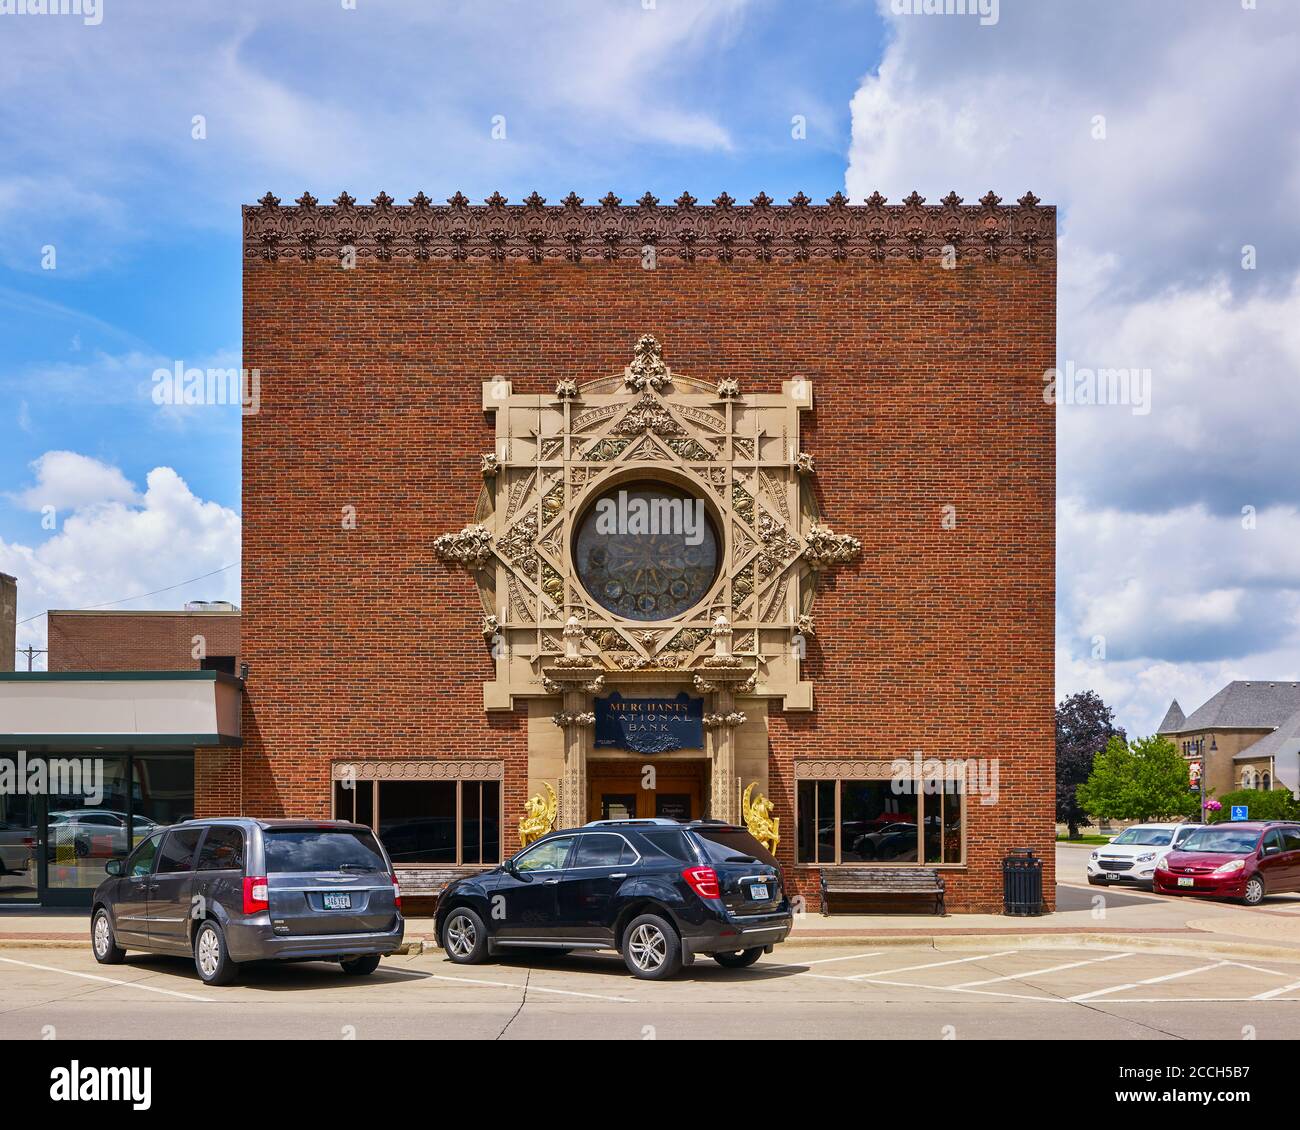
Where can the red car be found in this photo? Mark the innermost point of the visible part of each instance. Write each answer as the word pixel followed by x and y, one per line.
pixel 1244 860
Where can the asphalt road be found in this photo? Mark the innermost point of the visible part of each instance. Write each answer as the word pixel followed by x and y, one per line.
pixel 810 992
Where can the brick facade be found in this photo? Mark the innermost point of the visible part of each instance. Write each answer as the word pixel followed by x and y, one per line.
pixel 928 386
pixel 139 641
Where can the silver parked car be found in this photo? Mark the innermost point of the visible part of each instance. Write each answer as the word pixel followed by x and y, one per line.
pixel 227 891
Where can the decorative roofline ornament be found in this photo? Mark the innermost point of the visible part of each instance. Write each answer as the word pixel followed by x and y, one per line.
pixel 760 232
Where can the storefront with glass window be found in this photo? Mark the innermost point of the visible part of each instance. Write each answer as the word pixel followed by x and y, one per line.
pixel 73 797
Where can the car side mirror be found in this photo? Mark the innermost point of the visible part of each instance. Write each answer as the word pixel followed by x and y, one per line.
pixel 113 867
pixel 509 867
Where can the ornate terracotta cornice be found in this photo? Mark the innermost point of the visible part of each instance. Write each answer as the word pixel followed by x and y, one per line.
pixel 761 231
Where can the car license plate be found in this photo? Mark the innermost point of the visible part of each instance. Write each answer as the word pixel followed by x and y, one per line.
pixel 338 902
pixel 758 892
pixel 1186 881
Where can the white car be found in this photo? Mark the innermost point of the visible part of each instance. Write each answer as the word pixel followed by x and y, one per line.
pixel 1132 856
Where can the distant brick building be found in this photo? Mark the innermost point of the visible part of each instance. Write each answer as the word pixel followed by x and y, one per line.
pixel 194 639
pixel 854 394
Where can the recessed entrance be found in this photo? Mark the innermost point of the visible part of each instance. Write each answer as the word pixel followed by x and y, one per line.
pixel 624 790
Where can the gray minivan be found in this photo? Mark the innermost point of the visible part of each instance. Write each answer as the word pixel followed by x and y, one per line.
pixel 227 891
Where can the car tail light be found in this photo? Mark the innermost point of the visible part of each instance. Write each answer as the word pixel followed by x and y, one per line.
pixel 256 896
pixel 397 893
pixel 703 881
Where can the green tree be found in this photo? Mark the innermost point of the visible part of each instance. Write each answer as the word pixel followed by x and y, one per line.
pixel 1145 779
pixel 1084 724
pixel 1271 804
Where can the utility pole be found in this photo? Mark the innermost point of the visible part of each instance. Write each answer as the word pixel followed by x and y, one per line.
pixel 31 653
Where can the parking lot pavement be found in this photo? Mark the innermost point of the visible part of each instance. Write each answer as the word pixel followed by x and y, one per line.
pixel 894 992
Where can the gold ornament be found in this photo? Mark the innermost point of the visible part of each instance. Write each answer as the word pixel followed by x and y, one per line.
pixel 762 825
pixel 538 817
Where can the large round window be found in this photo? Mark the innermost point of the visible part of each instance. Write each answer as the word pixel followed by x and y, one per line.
pixel 646 551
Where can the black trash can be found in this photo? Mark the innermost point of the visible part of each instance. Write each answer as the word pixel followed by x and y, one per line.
pixel 1022 883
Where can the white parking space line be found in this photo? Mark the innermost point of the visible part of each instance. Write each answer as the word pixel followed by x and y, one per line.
pixel 1258 969
pixel 954 989
pixel 828 960
pixel 1040 972
pixel 1276 992
pixel 511 985
pixel 1149 981
pixel 106 980
pixel 929 965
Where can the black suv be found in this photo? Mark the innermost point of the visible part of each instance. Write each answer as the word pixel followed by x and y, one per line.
pixel 658 891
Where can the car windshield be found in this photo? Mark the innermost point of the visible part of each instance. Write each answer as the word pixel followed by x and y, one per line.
pixel 1221 841
pixel 322 849
pixel 1152 837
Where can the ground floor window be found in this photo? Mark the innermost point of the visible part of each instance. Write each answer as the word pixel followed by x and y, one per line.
pixel 427 822
pixel 67 814
pixel 879 820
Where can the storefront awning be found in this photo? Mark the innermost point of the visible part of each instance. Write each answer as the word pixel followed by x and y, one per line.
pixel 119 710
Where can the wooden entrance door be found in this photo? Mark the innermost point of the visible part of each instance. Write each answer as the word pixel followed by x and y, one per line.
pixel 616 790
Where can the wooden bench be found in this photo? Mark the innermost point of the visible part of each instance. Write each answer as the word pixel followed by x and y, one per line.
pixel 421 886
pixel 890 881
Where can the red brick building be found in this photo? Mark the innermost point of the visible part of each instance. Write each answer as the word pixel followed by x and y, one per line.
pixel 854 394
pixel 204 639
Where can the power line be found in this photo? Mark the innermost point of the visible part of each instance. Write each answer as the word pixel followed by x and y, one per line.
pixel 142 595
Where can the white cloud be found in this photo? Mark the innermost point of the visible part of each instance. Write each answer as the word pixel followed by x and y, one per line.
pixel 292 99
pixel 66 480
pixel 1201 156
pixel 121 544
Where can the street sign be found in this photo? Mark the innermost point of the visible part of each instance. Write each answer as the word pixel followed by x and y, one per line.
pixel 1240 812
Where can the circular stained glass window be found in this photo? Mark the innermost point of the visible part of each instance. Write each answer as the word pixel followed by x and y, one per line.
pixel 647 551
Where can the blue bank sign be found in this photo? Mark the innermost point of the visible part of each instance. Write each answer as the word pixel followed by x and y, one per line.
pixel 650 725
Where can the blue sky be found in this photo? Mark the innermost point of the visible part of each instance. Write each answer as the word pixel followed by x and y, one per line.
pixel 1197 157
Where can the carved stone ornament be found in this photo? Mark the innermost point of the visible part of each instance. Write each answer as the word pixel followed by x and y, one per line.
pixel 762 231
pixel 472 547
pixel 731 627
pixel 825 549
pixel 647 368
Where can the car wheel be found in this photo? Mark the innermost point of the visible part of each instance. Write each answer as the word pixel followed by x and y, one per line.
pixel 211 958
pixel 102 942
pixel 464 936
pixel 740 959
pixel 651 948
pixel 360 966
pixel 1254 891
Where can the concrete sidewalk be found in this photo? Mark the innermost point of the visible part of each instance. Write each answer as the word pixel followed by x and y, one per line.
pixel 1085 915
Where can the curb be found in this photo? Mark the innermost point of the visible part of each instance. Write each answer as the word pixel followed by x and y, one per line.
pixel 1172 942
